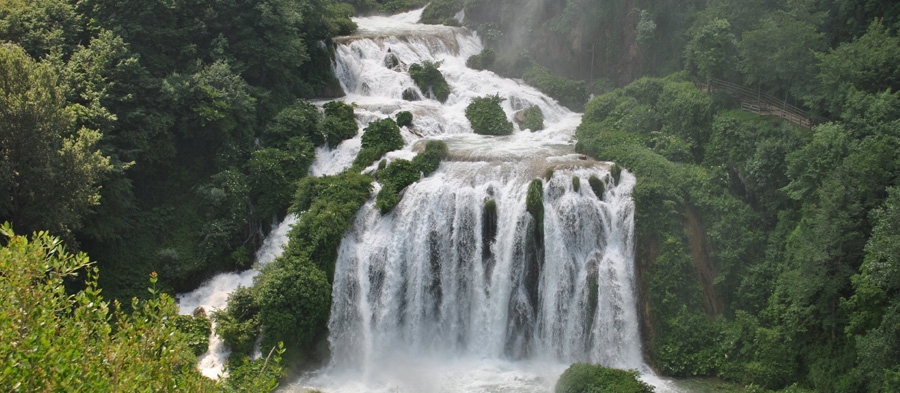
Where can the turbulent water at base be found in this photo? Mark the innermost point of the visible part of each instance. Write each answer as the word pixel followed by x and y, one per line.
pixel 448 294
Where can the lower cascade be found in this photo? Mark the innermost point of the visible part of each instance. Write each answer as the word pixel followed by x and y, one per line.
pixel 460 267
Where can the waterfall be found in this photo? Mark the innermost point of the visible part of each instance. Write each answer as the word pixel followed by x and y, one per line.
pixel 459 288
pixel 443 274
pixel 213 295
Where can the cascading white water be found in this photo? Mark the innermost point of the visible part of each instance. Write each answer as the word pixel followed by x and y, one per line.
pixel 438 276
pixel 444 294
pixel 213 295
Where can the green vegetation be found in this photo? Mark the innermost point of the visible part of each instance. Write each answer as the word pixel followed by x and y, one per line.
pixel 369 7
pixel 483 60
pixel 51 170
pixel 163 137
pixel 430 80
pixel 570 93
pixel 339 124
pixel 616 173
pixel 534 203
pixel 290 299
pixel 597 185
pixel 487 116
pixel 404 119
pixel 159 136
pixel 534 119
pixel 757 241
pixel 379 137
pixel 46 329
pixel 591 378
pixel 238 323
pixel 401 173
pixel 441 12
pixel 576 183
pixel 172 136
pixel 197 329
pixel 395 177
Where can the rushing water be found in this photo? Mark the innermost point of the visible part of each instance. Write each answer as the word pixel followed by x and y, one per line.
pixel 213 295
pixel 446 294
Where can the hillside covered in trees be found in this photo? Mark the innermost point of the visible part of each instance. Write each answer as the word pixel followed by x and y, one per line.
pixel 766 251
pixel 166 136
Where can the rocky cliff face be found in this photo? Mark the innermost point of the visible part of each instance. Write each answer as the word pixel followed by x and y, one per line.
pixel 579 39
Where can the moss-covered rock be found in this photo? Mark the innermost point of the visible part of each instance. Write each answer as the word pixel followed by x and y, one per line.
pixel 616 172
pixel 534 203
pixel 401 173
pixel 411 94
pixel 391 61
pixel 483 60
pixel 379 137
pixel 576 183
pixel 598 186
pixel 594 378
pixel 487 116
pixel 404 119
pixel 339 124
pixel 532 119
pixel 430 80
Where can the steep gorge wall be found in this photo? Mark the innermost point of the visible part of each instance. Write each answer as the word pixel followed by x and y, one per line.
pixel 585 39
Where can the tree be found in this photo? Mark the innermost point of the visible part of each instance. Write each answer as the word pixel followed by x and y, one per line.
pixel 41 27
pixel 300 119
pixel 294 297
pixel 45 330
pixel 49 171
pixel 779 52
pixel 875 305
pixel 712 50
pixel 869 64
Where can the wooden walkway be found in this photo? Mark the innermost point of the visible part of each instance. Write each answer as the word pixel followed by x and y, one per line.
pixel 761 104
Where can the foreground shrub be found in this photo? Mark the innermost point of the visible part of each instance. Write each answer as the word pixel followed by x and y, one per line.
pixel 594 378
pixel 52 339
pixel 487 117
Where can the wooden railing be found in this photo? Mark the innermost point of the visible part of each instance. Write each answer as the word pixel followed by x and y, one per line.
pixel 761 104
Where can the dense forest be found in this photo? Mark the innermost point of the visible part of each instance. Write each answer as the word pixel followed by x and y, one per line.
pixel 167 137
